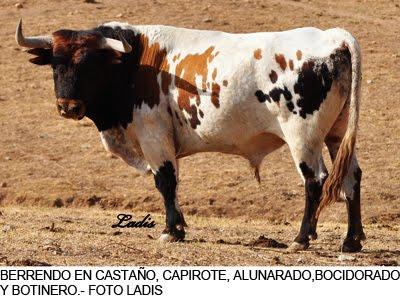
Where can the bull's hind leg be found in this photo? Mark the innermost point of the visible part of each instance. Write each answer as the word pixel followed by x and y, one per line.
pixel 351 194
pixel 309 163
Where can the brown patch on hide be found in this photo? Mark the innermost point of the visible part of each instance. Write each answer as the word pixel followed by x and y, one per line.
pixel 257 54
pixel 215 89
pixel 299 54
pixel 214 74
pixel 176 57
pixel 291 66
pixel 273 76
pixel 280 59
pixel 186 71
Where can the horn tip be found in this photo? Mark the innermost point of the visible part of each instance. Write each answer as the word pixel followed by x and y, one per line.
pixel 18 30
pixel 19 26
pixel 31 42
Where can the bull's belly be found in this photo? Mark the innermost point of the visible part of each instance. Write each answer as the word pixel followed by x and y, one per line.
pixel 251 131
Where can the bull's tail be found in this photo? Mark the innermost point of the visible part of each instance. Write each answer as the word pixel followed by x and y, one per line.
pixel 333 184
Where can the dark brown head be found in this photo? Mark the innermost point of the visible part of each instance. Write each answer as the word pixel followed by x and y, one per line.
pixel 80 60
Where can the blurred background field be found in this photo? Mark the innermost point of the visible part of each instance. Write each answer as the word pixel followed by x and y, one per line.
pixel 51 167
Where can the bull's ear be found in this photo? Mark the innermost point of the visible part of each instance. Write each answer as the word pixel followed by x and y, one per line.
pixel 43 56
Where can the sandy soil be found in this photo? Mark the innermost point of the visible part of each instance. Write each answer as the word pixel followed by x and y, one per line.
pixel 51 236
pixel 47 161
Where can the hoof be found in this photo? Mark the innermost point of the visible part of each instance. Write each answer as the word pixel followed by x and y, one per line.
pixel 313 236
pixel 167 238
pixel 351 245
pixel 171 236
pixel 296 247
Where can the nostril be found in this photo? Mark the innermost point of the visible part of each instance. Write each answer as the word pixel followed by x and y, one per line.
pixel 75 108
pixel 70 108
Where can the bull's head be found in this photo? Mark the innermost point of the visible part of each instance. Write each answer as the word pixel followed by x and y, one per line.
pixel 80 60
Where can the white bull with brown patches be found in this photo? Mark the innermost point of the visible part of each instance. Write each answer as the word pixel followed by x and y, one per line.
pixel 159 93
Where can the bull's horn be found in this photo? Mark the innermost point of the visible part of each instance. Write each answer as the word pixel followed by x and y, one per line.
pixel 31 42
pixel 121 46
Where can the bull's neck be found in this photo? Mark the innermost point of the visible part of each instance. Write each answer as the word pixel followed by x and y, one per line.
pixel 152 62
pixel 133 83
pixel 148 60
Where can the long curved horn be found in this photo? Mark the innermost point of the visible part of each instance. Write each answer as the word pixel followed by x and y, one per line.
pixel 31 42
pixel 121 46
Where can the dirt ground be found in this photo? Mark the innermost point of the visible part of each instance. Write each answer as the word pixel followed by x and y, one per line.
pixel 61 236
pixel 54 170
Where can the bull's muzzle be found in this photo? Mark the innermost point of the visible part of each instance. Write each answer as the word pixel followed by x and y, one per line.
pixel 70 108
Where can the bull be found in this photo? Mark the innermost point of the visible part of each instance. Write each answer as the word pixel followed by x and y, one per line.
pixel 159 93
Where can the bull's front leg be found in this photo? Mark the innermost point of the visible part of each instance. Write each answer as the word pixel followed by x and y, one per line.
pixel 166 180
pixel 159 151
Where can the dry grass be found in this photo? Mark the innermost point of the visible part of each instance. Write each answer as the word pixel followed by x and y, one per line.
pixel 85 237
pixel 46 160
